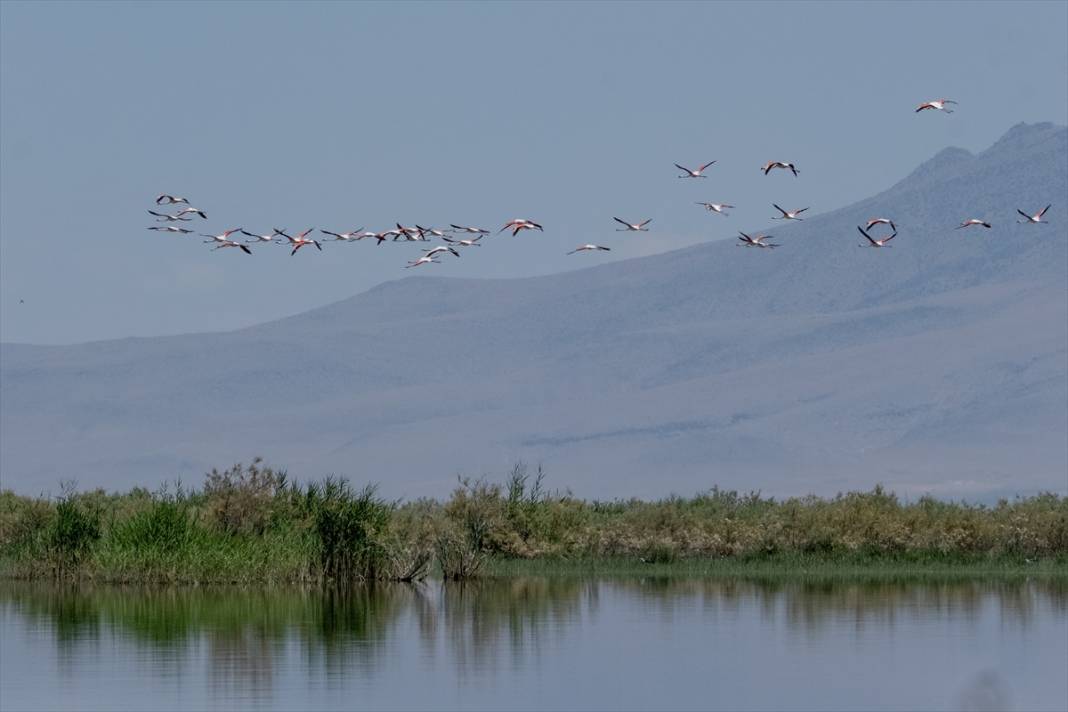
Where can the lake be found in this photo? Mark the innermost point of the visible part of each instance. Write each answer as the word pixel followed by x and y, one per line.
pixel 538 643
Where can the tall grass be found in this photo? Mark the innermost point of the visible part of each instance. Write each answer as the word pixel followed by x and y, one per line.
pixel 255 524
pixel 350 527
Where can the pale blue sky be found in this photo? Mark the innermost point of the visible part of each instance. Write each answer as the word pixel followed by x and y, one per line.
pixel 348 115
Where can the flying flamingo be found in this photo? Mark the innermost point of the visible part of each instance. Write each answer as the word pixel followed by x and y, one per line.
pixel 381 236
pixel 170 228
pixel 637 227
pixel 788 214
pixel 471 230
pixel 302 240
pixel 163 217
pixel 525 226
pixel 170 200
pixel 225 237
pixel 264 238
pixel 881 221
pixel 414 234
pixel 438 250
pixel 520 224
pixel 699 173
pixel 223 240
pixel 584 248
pixel 779 164
pixel 876 243
pixel 232 243
pixel 754 240
pixel 937 105
pixel 431 231
pixel 717 207
pixel 972 221
pixel 424 260
pixel 473 242
pixel 187 210
pixel 1035 219
pixel 344 236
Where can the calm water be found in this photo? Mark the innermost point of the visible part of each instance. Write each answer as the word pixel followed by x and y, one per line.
pixel 538 643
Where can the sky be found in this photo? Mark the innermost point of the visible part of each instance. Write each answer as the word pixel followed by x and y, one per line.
pixel 342 116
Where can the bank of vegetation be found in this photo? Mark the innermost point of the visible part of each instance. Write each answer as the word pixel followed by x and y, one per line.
pixel 254 524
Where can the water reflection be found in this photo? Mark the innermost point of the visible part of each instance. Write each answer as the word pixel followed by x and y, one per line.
pixel 241 642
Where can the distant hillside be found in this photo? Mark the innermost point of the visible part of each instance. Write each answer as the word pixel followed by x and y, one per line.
pixel 939 365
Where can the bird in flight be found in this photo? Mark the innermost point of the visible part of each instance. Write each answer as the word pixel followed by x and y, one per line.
pixel 972 221
pixel 412 234
pixel 699 173
pixel 470 230
pixel 221 238
pixel 788 214
pixel 754 240
pixel 263 238
pixel 520 224
pixel 586 248
pixel 170 228
pixel 876 243
pixel 344 236
pixel 636 227
pixel 165 199
pixel 424 260
pixel 382 236
pixel 779 164
pixel 1036 218
pixel 224 240
pixel 301 240
pixel 936 105
pixel 187 210
pixel 472 242
pixel 880 221
pixel 716 207
pixel 439 249
pixel 163 217
pixel 232 243
pixel 431 231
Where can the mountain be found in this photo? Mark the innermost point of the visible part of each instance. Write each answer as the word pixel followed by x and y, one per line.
pixel 940 365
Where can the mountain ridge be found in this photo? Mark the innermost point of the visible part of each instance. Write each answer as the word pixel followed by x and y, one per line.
pixel 705 365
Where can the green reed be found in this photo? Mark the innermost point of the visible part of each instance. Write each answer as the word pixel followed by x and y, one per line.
pixel 254 524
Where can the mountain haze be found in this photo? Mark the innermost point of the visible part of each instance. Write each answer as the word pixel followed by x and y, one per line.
pixel 940 365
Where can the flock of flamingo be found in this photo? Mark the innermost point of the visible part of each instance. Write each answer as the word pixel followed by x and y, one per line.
pixel 471 236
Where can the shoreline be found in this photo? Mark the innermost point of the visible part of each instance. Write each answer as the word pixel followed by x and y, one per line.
pixel 780 569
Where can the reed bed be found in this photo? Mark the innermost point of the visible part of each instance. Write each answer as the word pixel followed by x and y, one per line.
pixel 254 524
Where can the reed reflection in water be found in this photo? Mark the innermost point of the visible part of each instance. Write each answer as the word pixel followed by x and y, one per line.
pixel 538 642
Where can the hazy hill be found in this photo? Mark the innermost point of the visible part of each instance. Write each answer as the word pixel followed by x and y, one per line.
pixel 939 365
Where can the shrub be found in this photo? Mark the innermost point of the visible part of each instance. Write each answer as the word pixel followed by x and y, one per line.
pixel 240 500
pixel 457 555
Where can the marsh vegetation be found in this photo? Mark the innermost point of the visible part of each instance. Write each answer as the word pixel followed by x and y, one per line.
pixel 254 524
